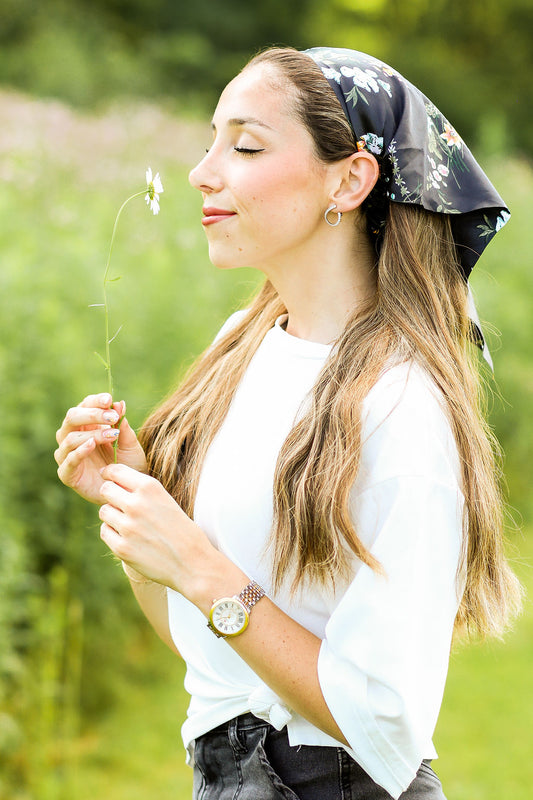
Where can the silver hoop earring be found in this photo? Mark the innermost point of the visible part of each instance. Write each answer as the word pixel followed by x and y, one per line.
pixel 339 215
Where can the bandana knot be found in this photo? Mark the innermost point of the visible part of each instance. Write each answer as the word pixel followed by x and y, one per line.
pixel 422 158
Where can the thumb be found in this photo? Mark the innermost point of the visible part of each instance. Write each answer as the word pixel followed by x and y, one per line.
pixel 129 447
pixel 127 439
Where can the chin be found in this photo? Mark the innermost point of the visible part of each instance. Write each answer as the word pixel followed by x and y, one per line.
pixel 226 261
pixel 222 263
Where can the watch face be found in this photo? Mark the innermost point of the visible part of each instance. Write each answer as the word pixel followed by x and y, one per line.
pixel 229 616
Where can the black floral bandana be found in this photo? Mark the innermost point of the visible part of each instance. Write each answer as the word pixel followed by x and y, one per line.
pixel 424 160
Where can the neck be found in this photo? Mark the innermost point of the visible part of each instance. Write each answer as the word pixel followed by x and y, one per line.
pixel 321 294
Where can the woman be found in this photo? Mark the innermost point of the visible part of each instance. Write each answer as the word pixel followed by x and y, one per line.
pixel 321 491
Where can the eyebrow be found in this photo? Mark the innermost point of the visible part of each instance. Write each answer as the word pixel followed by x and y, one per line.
pixel 236 122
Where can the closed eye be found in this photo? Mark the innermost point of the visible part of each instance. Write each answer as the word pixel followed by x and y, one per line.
pixel 248 151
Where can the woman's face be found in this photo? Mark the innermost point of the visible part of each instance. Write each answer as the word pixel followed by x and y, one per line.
pixel 264 190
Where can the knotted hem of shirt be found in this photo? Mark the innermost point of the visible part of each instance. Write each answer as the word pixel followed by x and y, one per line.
pixel 263 703
pixel 266 705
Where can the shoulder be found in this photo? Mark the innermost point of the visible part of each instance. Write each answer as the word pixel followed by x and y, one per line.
pixel 231 322
pixel 406 428
pixel 401 390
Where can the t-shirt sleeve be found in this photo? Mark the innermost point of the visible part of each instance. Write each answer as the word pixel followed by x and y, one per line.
pixel 383 661
pixel 231 322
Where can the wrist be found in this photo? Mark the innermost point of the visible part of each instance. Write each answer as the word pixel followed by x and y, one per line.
pixel 230 616
pixel 133 575
pixel 220 578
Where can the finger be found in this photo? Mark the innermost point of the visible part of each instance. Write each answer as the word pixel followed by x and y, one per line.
pixel 115 495
pixel 112 539
pixel 102 400
pixel 120 408
pixel 70 463
pixel 75 439
pixel 127 477
pixel 71 442
pixel 112 516
pixel 128 438
pixel 81 417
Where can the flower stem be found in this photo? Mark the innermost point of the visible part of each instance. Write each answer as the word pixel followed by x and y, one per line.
pixel 107 280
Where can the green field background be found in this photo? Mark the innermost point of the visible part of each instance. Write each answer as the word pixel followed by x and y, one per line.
pixel 91 702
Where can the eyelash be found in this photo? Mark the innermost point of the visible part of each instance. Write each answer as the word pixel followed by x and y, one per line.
pixel 248 151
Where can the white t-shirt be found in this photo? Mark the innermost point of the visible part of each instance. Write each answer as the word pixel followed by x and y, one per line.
pixel 385 638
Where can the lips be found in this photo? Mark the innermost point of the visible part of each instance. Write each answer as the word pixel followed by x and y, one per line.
pixel 212 215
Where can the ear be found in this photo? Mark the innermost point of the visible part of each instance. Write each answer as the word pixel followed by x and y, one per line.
pixel 356 177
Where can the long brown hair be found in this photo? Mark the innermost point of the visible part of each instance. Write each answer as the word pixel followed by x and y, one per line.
pixel 418 312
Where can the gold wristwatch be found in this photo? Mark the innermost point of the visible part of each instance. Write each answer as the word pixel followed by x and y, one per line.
pixel 229 616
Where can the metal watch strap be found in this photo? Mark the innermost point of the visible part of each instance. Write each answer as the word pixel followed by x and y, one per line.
pixel 251 594
pixel 248 597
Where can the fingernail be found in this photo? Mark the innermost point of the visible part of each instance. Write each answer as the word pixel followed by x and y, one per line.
pixel 110 416
pixel 111 433
pixel 105 399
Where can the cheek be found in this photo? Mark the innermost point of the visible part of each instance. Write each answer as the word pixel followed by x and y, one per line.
pixel 286 189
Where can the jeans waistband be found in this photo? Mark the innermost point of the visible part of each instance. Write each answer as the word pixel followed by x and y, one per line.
pixel 244 722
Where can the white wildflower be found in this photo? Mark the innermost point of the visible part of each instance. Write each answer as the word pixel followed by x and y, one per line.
pixel 154 188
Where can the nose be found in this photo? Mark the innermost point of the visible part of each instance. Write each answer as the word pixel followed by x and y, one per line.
pixel 204 176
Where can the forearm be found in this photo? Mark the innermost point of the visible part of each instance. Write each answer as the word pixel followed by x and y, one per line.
pixel 152 599
pixel 144 526
pixel 285 656
pixel 280 651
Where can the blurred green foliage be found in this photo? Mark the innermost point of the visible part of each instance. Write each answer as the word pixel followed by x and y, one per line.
pixel 474 60
pixel 66 616
pixel 74 655
pixel 78 673
pixel 86 51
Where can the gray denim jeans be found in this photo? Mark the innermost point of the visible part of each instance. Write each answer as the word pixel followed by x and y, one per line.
pixel 248 759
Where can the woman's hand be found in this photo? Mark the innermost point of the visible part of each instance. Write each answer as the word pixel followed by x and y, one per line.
pixel 145 527
pixel 86 440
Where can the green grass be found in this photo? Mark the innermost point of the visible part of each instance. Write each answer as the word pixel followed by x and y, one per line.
pixel 136 751
pixel 484 734
pixel 65 176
